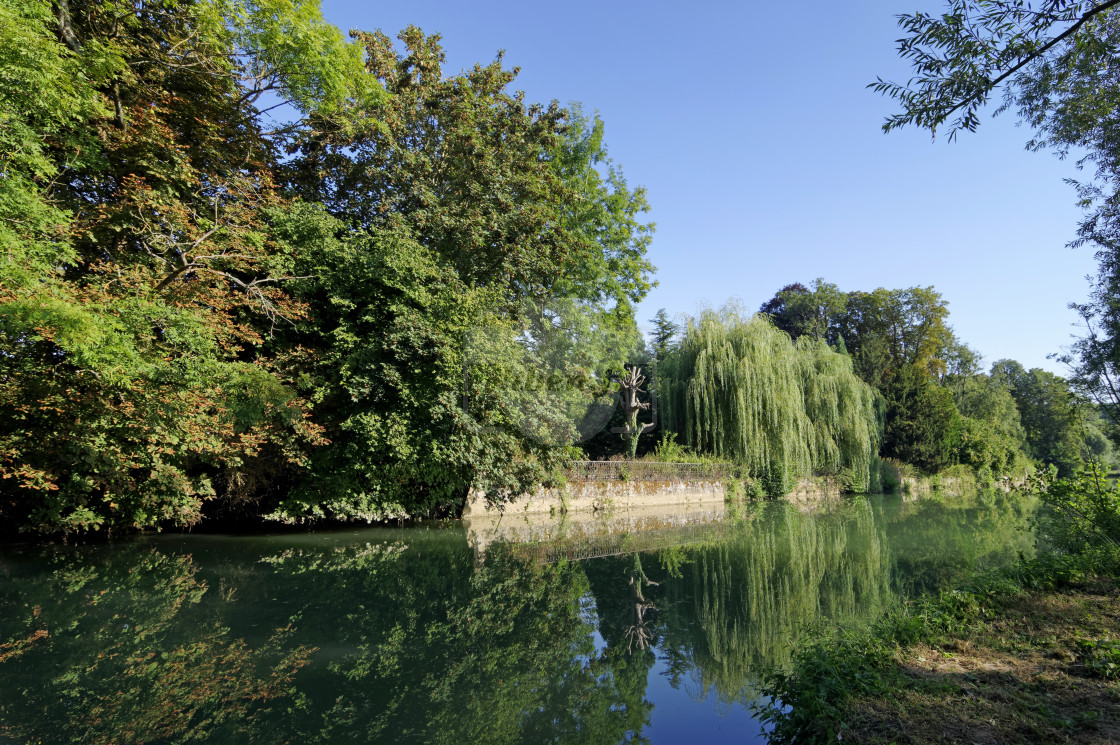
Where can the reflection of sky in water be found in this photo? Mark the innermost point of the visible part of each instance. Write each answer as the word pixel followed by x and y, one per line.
pixel 683 713
pixel 679 718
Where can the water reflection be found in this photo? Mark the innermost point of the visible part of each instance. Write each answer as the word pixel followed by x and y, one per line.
pixel 105 648
pixel 418 636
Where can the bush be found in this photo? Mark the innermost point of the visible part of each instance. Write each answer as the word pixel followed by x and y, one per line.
pixel 890 476
pixel 1080 514
pixel 668 450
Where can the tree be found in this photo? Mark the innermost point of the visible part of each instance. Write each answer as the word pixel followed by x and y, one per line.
pixel 663 340
pixel 992 439
pixel 961 57
pixel 603 217
pixel 897 328
pixel 183 326
pixel 663 334
pixel 801 312
pixel 782 314
pixel 923 425
pixel 424 389
pixel 740 388
pixel 509 195
pixel 523 209
pixel 630 386
pixel 137 285
pixel 1061 429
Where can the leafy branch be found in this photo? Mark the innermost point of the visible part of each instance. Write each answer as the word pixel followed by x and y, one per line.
pixel 965 54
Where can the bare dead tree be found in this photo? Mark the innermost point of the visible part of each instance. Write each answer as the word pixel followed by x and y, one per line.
pixel 630 386
pixel 639 633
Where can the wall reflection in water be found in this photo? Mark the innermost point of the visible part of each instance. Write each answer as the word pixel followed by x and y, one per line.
pixel 417 635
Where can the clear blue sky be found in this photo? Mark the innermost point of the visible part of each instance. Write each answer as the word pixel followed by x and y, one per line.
pixel 751 127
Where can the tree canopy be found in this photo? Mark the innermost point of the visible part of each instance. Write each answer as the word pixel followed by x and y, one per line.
pixel 243 257
pixel 738 387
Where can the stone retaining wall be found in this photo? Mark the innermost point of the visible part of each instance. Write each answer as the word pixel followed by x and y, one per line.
pixel 593 496
pixel 623 495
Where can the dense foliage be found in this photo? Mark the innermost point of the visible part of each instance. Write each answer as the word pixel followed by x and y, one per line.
pixel 138 284
pixel 245 266
pixel 740 388
pixel 939 409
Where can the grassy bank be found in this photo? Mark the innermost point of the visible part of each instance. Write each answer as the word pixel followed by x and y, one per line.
pixel 1027 654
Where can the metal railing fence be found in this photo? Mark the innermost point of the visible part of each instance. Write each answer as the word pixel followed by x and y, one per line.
pixel 640 470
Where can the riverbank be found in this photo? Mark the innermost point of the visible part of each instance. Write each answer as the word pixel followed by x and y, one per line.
pixel 1027 654
pixel 610 486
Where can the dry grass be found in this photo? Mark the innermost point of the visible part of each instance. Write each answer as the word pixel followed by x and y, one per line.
pixel 1020 677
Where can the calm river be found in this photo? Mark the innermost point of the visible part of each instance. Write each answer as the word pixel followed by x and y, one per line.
pixel 654 631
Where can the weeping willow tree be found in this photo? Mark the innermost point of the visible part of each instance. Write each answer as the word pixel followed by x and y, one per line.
pixel 742 389
pixel 841 410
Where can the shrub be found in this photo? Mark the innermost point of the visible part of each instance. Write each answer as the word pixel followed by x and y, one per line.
pixel 1080 514
pixel 890 476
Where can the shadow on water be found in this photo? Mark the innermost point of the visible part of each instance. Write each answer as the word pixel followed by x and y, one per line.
pixel 415 635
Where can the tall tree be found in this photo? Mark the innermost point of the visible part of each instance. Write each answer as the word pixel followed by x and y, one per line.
pixel 781 311
pixel 740 388
pixel 923 426
pixel 137 284
pixel 663 340
pixel 908 325
pixel 664 333
pixel 458 161
pixel 183 326
pixel 604 218
pixel 1061 427
pixel 802 312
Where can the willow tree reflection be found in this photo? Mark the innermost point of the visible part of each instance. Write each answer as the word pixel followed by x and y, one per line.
pixel 734 606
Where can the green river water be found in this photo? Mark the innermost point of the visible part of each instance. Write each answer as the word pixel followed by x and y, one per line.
pixel 620 631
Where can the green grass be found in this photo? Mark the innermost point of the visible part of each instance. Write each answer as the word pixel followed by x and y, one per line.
pixel 1024 655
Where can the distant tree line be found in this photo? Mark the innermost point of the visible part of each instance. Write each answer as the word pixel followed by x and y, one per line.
pixel 940 408
pixel 1053 63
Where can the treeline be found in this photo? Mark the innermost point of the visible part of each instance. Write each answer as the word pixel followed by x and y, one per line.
pixel 247 265
pixel 822 381
pixel 940 408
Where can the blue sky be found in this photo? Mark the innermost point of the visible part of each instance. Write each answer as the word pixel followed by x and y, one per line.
pixel 762 152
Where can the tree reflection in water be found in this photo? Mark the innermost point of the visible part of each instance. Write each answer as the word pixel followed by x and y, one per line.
pixel 405 636
pixel 126 653
pixel 639 633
